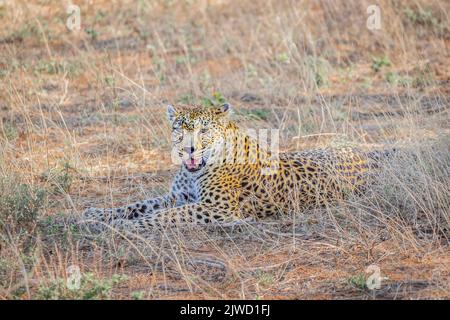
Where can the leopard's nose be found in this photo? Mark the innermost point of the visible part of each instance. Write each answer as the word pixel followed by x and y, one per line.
pixel 189 150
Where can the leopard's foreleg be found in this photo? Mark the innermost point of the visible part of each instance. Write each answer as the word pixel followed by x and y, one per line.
pixel 188 214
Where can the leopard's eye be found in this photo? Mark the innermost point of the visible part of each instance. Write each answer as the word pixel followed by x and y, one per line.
pixel 204 130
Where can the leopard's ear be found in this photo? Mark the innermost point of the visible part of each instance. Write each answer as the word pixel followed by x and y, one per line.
pixel 171 113
pixel 223 110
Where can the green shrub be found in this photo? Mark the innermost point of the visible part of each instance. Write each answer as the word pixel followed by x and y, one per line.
pixel 19 204
pixel 421 17
pixel 358 281
pixel 216 100
pixel 318 70
pixel 60 178
pixel 379 63
pixel 91 288
pixel 8 131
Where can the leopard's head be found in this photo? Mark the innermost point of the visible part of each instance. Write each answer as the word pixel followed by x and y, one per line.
pixel 196 132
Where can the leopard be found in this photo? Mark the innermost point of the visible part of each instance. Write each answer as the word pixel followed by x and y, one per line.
pixel 225 175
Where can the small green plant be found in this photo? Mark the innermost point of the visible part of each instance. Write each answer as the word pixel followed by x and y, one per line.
pixel 265 279
pixel 216 100
pixel 49 67
pixel 18 293
pixel 423 76
pixel 187 99
pixel 92 33
pixel 8 131
pixel 60 179
pixel 405 81
pixel 319 69
pixel 57 227
pixel 379 63
pixel 28 29
pixel 358 281
pixel 185 59
pixel 205 79
pixel 72 68
pixel 110 80
pixel 159 68
pixel 19 204
pixel 367 83
pixel 392 78
pixel 259 114
pixel 395 79
pixel 50 225
pixel 283 58
pixel 65 179
pixel 251 71
pixel 138 295
pixel 100 15
pixel 91 288
pixel 421 17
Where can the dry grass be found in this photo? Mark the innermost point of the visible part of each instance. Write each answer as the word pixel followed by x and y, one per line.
pixel 82 120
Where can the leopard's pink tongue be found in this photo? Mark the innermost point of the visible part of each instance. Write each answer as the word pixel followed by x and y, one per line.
pixel 191 164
